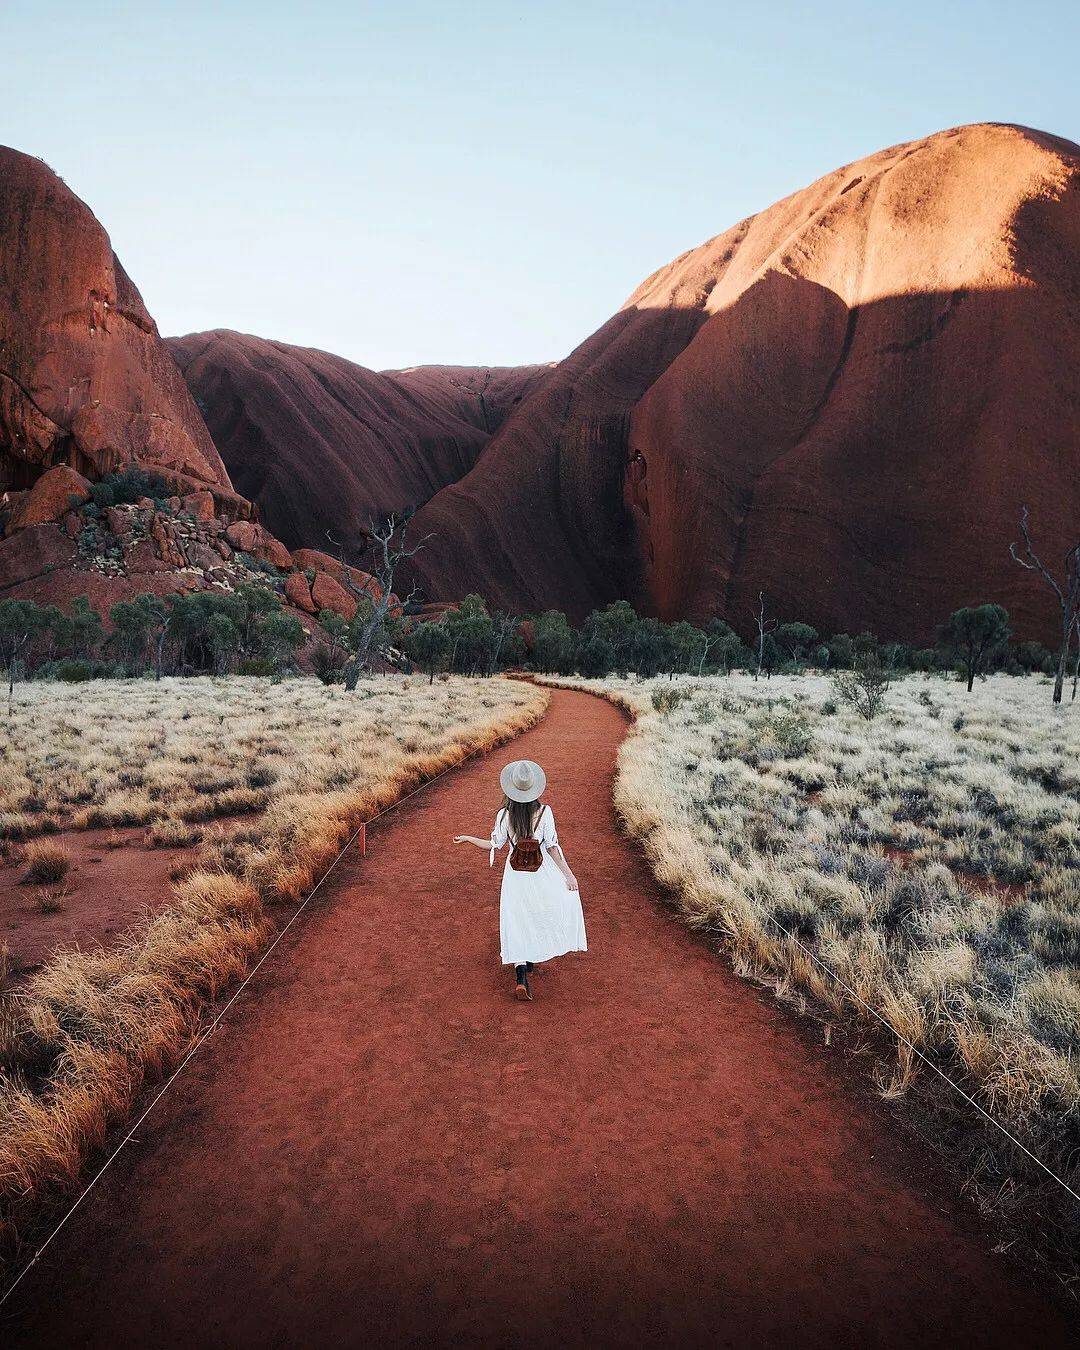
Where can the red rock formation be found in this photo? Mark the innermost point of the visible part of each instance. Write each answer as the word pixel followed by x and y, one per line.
pixel 86 387
pixel 55 493
pixel 319 443
pixel 84 377
pixel 843 401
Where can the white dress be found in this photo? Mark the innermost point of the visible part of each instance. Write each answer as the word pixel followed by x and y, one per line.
pixel 539 916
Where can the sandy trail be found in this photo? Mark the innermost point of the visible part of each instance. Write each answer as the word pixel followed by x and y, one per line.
pixel 380 1147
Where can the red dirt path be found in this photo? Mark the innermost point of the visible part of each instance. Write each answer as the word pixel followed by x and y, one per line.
pixel 381 1147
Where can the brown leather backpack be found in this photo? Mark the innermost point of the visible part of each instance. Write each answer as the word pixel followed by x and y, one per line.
pixel 526 856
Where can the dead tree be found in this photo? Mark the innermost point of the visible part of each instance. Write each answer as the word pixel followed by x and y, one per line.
pixel 375 597
pixel 764 628
pixel 1076 664
pixel 503 625
pixel 1067 592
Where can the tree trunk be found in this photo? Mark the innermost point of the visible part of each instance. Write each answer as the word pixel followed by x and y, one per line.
pixel 1059 678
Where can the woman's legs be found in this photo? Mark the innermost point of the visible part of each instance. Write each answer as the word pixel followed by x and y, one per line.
pixel 521 987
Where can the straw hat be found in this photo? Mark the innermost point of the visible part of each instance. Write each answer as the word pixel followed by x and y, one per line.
pixel 523 781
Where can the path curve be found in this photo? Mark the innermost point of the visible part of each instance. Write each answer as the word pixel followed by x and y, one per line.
pixel 380 1147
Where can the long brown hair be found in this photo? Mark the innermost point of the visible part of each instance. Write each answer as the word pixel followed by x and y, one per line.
pixel 523 817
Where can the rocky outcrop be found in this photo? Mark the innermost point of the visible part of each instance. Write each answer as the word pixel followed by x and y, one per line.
pixel 319 443
pixel 56 492
pixel 84 377
pixel 842 402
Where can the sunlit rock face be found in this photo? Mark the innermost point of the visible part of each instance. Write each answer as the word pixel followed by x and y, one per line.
pixel 84 377
pixel 843 402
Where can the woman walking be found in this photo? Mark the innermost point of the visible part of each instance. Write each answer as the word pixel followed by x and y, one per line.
pixel 539 908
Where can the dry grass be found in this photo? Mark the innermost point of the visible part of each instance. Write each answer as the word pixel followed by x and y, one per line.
pixel 45 863
pixel 930 859
pixel 80 1039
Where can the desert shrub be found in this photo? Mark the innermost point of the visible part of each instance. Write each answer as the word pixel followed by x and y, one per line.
pixel 257 665
pixel 126 486
pixel 666 700
pixel 865 686
pixel 77 670
pixel 45 863
pixel 787 728
pixel 328 662
pixel 172 832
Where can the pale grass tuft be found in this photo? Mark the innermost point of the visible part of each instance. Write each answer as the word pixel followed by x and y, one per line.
pixel 45 863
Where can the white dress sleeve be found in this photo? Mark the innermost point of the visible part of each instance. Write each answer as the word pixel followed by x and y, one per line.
pixel 549 836
pixel 499 835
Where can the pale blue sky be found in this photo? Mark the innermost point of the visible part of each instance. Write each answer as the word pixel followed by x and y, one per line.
pixel 414 182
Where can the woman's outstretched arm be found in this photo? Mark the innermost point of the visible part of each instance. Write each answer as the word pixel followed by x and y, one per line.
pixel 472 839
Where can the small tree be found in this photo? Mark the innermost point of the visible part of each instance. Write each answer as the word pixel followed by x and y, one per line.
pixel 841 650
pixel 795 641
pixel 865 686
pixel 596 657
pixel 503 629
pixel 375 597
pixel 139 627
pixel 20 620
pixel 554 642
pixel 1076 665
pixel 472 635
pixel 764 628
pixel 428 646
pixel 224 639
pixel 614 625
pixel 80 633
pixel 975 634
pixel 1067 592
pixel 281 636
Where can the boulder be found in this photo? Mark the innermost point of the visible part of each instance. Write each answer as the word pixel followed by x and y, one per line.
pixel 251 538
pixel 326 593
pixel 242 535
pixel 120 522
pixel 201 505
pixel 271 550
pixel 56 492
pixel 298 592
pixel 32 554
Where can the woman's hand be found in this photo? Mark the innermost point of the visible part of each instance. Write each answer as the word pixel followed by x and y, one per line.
pixel 571 882
pixel 461 839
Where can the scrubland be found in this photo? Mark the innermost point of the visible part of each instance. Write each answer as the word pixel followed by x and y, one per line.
pixel 922 868
pixel 291 767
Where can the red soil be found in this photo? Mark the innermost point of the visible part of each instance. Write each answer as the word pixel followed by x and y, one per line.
pixel 381 1147
pixel 113 881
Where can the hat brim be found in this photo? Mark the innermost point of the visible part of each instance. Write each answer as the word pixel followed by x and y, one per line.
pixel 530 794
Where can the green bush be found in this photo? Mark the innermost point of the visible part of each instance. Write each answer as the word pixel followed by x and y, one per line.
pixel 257 665
pixel 127 486
pixel 77 670
pixel 667 700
